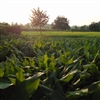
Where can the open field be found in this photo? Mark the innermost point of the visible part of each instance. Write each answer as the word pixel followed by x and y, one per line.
pixel 63 33
pixel 51 66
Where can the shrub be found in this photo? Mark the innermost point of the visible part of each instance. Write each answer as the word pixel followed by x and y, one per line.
pixel 2 31
pixel 10 30
pixel 13 29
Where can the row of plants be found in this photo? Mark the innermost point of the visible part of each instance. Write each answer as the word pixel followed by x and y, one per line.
pixel 49 68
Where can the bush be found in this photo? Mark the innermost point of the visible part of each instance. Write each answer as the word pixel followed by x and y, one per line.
pixel 13 29
pixel 2 31
pixel 10 30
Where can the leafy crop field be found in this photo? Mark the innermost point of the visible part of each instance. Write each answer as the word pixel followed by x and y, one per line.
pixel 63 33
pixel 50 67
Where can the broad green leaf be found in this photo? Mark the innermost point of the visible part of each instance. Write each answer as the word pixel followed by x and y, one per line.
pixel 63 59
pixel 77 94
pixel 20 76
pixel 25 89
pixel 69 76
pixel 52 66
pixel 97 94
pixel 1 72
pixel 13 80
pixel 70 61
pixel 91 67
pixel 94 86
pixel 46 60
pixel 5 83
pixel 25 62
pixel 51 93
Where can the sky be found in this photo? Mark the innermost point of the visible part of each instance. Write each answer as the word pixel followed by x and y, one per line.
pixel 78 12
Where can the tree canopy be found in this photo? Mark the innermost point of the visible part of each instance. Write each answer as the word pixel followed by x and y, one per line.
pixel 61 23
pixel 39 18
pixel 94 26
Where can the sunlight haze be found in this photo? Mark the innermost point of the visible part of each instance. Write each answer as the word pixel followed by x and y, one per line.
pixel 78 12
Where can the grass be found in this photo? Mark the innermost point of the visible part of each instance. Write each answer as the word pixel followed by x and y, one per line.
pixel 63 33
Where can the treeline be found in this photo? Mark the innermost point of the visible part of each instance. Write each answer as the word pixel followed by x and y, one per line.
pixel 28 27
pixel 62 23
pixel 94 26
pixel 6 28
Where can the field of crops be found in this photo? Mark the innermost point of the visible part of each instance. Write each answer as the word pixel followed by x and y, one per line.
pixel 63 33
pixel 50 67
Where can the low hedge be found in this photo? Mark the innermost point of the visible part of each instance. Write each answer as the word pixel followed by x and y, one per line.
pixel 10 30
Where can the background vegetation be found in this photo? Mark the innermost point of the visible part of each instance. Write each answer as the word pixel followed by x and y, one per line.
pixel 50 67
pixel 56 65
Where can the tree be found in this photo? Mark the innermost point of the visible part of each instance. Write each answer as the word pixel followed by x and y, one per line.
pixel 3 27
pixel 84 28
pixel 39 18
pixel 94 26
pixel 61 23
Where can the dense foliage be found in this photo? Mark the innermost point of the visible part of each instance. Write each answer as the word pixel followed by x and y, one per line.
pixel 61 23
pixel 5 28
pixel 49 68
pixel 39 18
pixel 95 26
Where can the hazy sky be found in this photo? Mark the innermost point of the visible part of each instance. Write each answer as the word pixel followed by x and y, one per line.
pixel 78 12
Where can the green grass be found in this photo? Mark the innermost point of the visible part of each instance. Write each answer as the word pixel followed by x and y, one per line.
pixel 63 33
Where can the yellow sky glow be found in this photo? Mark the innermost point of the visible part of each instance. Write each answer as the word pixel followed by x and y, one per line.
pixel 78 12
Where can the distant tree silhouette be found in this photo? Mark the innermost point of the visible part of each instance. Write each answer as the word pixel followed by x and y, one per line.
pixel 94 26
pixel 3 26
pixel 60 23
pixel 39 18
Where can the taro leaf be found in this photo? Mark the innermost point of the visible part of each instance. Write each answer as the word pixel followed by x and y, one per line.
pixel 4 53
pixel 5 83
pixel 63 59
pixel 70 61
pixel 69 76
pixel 77 94
pixel 1 72
pixel 56 95
pixel 82 76
pixel 51 93
pixel 54 90
pixel 31 61
pixel 25 62
pixel 25 89
pixel 20 76
pixel 91 67
pixel 46 60
pixel 13 80
pixel 95 88
pixel 52 66
pixel 96 56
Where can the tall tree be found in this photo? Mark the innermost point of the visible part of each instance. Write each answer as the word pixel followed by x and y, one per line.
pixel 61 23
pixel 39 18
